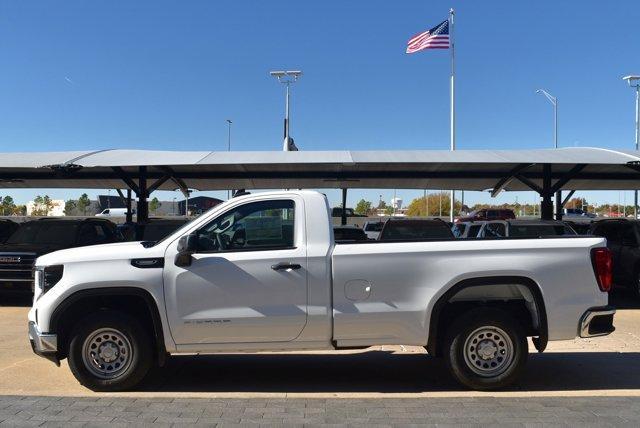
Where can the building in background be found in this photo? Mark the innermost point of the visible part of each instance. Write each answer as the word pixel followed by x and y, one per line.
pixel 55 209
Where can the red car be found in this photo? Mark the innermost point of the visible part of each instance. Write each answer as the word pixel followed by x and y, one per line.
pixel 489 214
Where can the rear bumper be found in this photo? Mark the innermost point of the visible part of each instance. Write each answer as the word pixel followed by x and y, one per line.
pixel 43 344
pixel 597 322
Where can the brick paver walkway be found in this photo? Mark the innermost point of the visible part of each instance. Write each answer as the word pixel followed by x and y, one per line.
pixel 101 411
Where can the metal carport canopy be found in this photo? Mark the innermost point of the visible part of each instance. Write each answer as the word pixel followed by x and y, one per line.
pixel 569 169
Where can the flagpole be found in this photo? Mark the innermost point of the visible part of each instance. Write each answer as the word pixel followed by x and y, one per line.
pixel 453 106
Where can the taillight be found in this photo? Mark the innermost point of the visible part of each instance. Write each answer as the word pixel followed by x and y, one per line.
pixel 602 267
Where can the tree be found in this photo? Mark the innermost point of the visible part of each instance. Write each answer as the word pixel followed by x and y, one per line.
pixel 7 206
pixel 437 204
pixel 363 207
pixel 42 205
pixel 70 207
pixel 83 203
pixel 154 205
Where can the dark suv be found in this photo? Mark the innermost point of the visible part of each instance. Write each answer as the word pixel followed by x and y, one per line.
pixel 7 227
pixel 623 239
pixel 38 237
pixel 486 214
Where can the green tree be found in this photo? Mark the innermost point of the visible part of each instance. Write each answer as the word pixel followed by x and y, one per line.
pixel 83 203
pixel 154 205
pixel 8 206
pixel 42 205
pixel 70 207
pixel 363 207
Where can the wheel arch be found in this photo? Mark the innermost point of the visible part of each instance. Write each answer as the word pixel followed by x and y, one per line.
pixel 436 331
pixel 102 297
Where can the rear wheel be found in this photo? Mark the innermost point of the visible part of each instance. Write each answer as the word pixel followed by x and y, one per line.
pixel 110 351
pixel 486 349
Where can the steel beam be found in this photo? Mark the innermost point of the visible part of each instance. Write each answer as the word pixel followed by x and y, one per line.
pixel 500 185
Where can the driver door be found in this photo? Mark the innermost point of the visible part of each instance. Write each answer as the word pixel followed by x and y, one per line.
pixel 247 281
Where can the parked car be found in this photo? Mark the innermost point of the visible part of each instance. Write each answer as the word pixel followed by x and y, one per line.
pixel 576 212
pixel 262 272
pixel 524 229
pixel 623 239
pixel 337 212
pixel 38 237
pixel 488 214
pixel 154 230
pixel 414 230
pixel 349 233
pixel 114 212
pixel 7 227
pixel 466 229
pixel 373 228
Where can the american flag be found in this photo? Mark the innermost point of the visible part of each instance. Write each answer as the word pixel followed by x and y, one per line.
pixel 435 38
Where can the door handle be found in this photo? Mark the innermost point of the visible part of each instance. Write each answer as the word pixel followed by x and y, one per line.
pixel 285 266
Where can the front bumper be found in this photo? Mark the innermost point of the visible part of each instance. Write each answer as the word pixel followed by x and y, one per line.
pixel 44 344
pixel 597 322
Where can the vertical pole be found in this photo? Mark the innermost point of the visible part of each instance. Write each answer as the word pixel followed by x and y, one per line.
pixel 129 215
pixel 229 148
pixel 546 209
pixel 285 146
pixel 453 109
pixel 343 217
pixel 143 205
pixel 555 144
pixel 635 199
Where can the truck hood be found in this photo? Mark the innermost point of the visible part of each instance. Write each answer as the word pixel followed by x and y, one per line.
pixel 117 251
pixel 38 249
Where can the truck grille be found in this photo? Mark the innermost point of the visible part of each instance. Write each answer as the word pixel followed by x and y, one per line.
pixel 16 270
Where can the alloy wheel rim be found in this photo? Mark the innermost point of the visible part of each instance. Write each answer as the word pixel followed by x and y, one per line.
pixel 488 351
pixel 106 353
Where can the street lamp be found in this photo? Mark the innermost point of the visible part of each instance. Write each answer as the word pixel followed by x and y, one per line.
pixel 634 82
pixel 553 100
pixel 229 122
pixel 287 78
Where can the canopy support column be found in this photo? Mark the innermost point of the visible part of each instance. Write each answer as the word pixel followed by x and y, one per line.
pixel 568 197
pixel 546 206
pixel 143 194
pixel 559 205
pixel 343 220
pixel 129 214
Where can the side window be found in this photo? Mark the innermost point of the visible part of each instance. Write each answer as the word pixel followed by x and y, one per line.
pixel 87 235
pixel 473 231
pixel 496 230
pixel 254 226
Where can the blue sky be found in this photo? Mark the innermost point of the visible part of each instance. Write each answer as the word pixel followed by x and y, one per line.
pixel 166 75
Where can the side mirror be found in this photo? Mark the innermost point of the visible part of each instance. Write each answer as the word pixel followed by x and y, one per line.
pixel 187 245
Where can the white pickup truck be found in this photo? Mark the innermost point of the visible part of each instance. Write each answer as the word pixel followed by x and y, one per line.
pixel 262 272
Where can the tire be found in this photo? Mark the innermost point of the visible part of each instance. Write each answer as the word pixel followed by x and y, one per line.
pixel 110 351
pixel 502 357
pixel 635 284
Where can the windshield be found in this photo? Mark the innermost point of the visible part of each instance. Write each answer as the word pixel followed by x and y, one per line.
pixel 374 227
pixel 45 232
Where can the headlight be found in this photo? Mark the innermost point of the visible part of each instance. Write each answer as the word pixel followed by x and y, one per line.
pixel 45 278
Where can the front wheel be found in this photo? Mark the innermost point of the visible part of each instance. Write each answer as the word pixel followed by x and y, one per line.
pixel 110 351
pixel 486 349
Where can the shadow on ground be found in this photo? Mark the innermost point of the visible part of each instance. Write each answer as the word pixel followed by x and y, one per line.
pixel 16 298
pixel 623 299
pixel 381 371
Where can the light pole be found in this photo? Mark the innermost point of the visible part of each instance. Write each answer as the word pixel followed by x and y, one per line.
pixel 287 78
pixel 229 122
pixel 553 100
pixel 634 82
